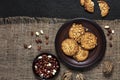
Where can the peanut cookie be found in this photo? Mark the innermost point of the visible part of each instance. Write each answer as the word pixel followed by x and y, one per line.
pixel 88 41
pixel 69 47
pixel 81 55
pixel 104 8
pixel 76 31
pixel 89 6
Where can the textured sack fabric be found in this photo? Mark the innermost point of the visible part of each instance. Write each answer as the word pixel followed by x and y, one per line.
pixel 16 62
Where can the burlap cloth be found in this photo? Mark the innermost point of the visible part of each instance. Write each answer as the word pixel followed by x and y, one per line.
pixel 16 62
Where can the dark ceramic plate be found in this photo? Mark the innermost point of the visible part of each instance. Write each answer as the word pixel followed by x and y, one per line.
pixel 95 55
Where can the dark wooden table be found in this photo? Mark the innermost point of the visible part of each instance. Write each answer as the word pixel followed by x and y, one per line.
pixel 54 8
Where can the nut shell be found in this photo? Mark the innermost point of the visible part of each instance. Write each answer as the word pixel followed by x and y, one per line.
pixel 67 75
pixel 80 76
pixel 107 67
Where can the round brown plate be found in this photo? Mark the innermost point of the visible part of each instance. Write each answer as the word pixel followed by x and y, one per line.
pixel 95 55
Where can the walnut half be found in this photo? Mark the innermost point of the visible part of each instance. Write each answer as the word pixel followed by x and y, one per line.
pixel 80 77
pixel 67 75
pixel 107 68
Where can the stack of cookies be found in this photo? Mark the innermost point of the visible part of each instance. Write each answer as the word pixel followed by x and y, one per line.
pixel 79 42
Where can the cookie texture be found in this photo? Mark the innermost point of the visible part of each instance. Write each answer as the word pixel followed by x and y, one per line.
pixel 69 47
pixel 81 55
pixel 104 8
pixel 88 41
pixel 89 6
pixel 76 31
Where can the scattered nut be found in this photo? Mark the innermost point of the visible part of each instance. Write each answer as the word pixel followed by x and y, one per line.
pixel 113 31
pixel 41 32
pixel 109 31
pixel 30 46
pixel 49 56
pixel 38 41
pixel 110 44
pixel 32 33
pixel 67 75
pixel 25 46
pixel 38 48
pixel 46 37
pixel 49 64
pixel 37 33
pixel 110 38
pixel 40 57
pixel 108 34
pixel 47 42
pixel 107 27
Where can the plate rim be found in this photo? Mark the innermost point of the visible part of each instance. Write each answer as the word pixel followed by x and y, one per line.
pixel 103 46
